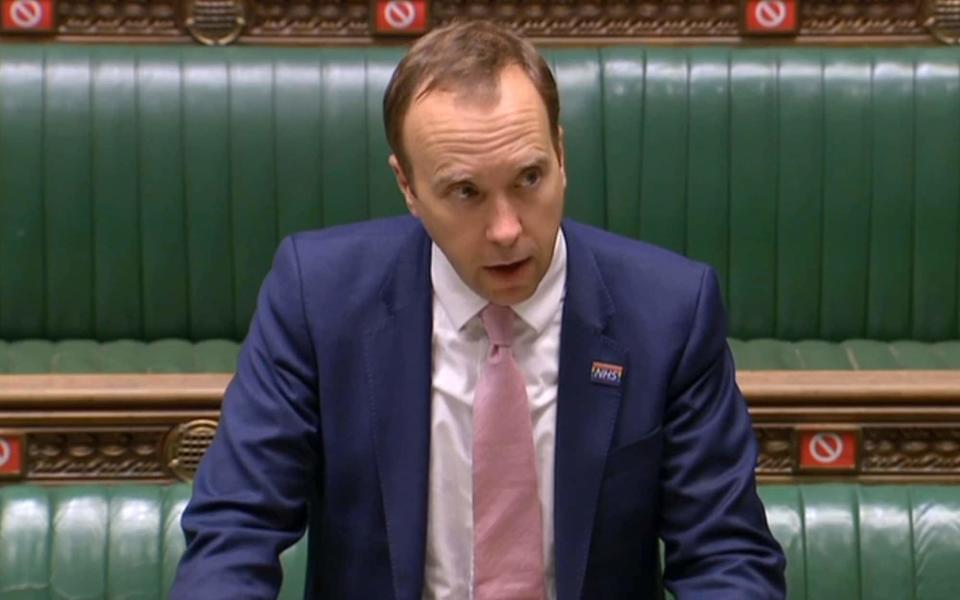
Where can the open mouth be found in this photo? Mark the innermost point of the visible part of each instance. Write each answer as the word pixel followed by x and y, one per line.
pixel 509 268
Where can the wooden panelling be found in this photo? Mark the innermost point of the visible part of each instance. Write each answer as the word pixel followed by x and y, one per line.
pixel 901 425
pixel 316 22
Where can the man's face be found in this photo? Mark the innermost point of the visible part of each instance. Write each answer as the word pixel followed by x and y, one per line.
pixel 487 184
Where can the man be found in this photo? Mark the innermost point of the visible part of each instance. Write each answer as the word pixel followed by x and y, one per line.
pixel 481 400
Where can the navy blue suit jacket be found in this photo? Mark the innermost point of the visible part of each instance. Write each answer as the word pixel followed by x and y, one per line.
pixel 327 424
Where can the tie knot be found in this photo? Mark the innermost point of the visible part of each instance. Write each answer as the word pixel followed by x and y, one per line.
pixel 498 321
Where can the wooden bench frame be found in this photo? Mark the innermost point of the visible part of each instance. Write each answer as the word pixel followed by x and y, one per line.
pixel 904 426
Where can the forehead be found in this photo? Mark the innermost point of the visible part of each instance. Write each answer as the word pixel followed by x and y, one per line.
pixel 472 121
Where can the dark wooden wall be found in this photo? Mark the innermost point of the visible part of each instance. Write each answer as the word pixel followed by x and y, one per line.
pixel 318 22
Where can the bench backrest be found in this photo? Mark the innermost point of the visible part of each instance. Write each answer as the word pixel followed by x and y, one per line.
pixel 144 189
pixel 841 541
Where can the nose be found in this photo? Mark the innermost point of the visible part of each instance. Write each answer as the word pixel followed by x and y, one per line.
pixel 504 227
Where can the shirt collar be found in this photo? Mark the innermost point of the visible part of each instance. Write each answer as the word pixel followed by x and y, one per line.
pixel 460 303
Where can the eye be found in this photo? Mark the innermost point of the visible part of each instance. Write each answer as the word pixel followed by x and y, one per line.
pixel 531 177
pixel 463 191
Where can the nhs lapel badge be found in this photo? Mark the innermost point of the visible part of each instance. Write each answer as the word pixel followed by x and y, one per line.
pixel 606 373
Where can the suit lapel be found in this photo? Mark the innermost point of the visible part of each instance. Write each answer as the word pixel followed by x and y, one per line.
pixel 398 359
pixel 586 412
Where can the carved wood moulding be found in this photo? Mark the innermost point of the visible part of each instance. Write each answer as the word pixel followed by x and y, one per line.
pixel 911 449
pixel 894 453
pixel 56 428
pixel 895 426
pixel 53 454
pixel 317 22
pixel 159 453
pixel 775 454
pixel 121 18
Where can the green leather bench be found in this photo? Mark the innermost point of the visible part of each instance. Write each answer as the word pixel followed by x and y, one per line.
pixel 843 542
pixel 143 190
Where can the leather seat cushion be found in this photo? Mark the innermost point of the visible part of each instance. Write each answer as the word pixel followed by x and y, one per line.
pixel 841 540
pixel 220 356
pixel 122 356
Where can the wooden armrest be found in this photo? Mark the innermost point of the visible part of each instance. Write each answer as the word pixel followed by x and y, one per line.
pixel 764 387
pixel 112 390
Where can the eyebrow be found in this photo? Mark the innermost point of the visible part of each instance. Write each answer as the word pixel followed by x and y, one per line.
pixel 444 178
pixel 540 160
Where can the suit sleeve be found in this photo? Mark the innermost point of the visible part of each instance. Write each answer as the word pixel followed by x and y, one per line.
pixel 717 541
pixel 251 492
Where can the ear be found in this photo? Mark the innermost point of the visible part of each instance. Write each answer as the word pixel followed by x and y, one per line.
pixel 404 184
pixel 561 156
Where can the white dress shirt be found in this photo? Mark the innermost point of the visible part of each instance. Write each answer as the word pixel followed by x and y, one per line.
pixel 460 346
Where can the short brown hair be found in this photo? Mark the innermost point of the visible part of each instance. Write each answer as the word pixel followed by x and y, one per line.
pixel 467 55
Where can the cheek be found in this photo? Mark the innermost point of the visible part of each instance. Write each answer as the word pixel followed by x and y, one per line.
pixel 458 240
pixel 544 215
pixel 439 222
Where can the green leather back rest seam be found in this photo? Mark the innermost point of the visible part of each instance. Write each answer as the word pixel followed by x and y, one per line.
pixel 143 190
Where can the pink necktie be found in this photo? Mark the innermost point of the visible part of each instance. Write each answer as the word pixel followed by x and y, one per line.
pixel 507 524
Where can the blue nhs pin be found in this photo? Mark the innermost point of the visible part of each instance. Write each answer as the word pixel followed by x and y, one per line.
pixel 606 373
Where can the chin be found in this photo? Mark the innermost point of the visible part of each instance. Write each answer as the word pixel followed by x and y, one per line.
pixel 509 297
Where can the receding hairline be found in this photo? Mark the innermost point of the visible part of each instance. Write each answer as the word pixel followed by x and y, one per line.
pixel 485 93
pixel 467 74
pixel 536 119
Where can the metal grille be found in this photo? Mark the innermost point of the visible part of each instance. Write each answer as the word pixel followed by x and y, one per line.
pixel 187 445
pixel 215 22
pixel 944 20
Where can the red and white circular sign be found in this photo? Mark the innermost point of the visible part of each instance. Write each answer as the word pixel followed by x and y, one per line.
pixel 770 13
pixel 401 17
pixel 769 16
pixel 826 448
pixel 400 14
pixel 6 452
pixel 26 14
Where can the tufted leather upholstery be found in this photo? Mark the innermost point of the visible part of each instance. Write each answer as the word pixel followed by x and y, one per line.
pixel 143 190
pixel 870 542
pixel 100 542
pixel 842 541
